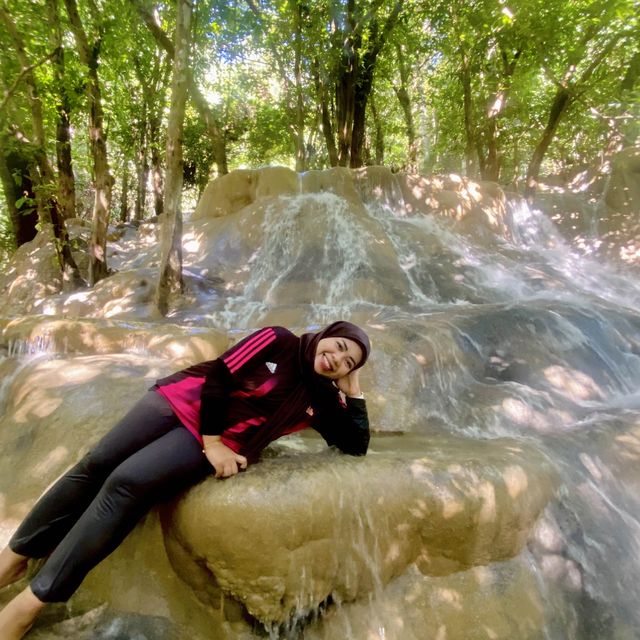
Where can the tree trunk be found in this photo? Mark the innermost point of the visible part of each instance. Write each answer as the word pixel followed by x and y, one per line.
pixel 301 156
pixel 66 178
pixel 102 177
pixel 156 167
pixel 40 170
pixel 142 176
pixel 379 132
pixel 561 102
pixel 565 96
pixel 355 78
pixel 325 115
pixel 491 169
pixel 170 280
pixel 124 193
pixel 23 216
pixel 214 129
pixel 470 150
pixel 345 105
pixel 402 93
pixel 361 96
pixel 623 123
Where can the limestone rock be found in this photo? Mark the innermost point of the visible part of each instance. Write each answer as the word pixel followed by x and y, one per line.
pixel 32 274
pixel 622 192
pixel 179 345
pixel 346 525
pixel 234 191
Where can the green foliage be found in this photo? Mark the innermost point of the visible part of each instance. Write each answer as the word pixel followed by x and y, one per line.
pixel 516 53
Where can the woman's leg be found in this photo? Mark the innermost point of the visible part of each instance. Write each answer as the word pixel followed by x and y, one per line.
pixel 12 566
pixel 157 472
pixel 59 508
pixel 18 616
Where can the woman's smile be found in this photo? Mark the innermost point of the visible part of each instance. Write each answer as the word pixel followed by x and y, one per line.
pixel 336 357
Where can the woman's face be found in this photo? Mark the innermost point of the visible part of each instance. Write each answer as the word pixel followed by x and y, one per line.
pixel 336 357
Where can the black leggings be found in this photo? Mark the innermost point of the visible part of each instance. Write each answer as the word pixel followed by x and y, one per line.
pixel 147 457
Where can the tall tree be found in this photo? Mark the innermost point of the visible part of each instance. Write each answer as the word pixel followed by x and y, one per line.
pixel 282 33
pixel 358 36
pixel 170 280
pixel 66 178
pixel 40 170
pixel 213 126
pixel 404 98
pixel 89 52
pixel 599 34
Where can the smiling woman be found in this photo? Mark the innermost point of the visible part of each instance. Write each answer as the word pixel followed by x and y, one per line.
pixel 213 418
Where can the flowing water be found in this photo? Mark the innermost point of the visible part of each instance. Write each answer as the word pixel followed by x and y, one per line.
pixel 478 333
pixel 485 334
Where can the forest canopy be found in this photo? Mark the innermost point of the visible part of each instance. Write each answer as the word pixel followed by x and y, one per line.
pixel 502 90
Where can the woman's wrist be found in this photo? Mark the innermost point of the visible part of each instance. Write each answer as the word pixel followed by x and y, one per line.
pixel 210 441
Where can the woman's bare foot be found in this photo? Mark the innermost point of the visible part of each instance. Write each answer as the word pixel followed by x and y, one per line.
pixel 19 615
pixel 13 566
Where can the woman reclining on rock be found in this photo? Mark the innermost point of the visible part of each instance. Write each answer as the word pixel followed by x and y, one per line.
pixel 218 414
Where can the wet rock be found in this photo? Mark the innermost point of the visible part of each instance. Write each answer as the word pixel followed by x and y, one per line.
pixel 46 334
pixel 325 526
pixel 234 191
pixel 104 624
pixel 622 193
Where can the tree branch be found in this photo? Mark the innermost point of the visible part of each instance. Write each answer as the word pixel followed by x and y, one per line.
pixel 12 89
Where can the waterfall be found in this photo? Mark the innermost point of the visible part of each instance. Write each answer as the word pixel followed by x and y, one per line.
pixel 493 336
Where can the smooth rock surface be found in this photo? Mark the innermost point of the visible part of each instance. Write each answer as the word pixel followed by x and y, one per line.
pixel 345 526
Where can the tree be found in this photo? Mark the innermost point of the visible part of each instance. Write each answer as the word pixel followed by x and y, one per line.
pixel 170 280
pixel 66 178
pixel 359 34
pixel 89 52
pixel 602 30
pixel 40 171
pixel 213 126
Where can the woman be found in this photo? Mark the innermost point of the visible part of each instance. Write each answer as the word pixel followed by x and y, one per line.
pixel 218 414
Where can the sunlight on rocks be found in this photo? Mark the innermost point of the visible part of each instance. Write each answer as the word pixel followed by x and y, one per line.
pixel 488 511
pixel 441 634
pixel 466 482
pixel 515 480
pixel 590 465
pixel 523 414
pixel 574 384
pixel 484 576
pixel 77 373
pixel 549 536
pixel 36 404
pixel 451 506
pixel 449 597
pixel 51 461
pixel 562 570
pixel 630 444
pixel 421 468
pixel 393 553
pixel 421 510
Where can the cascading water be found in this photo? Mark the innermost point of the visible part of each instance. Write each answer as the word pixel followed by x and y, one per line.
pixel 485 331
pixel 487 335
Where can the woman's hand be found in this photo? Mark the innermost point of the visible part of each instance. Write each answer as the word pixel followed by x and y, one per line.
pixel 350 384
pixel 224 460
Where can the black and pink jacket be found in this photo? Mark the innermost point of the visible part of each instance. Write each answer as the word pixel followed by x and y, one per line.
pixel 238 392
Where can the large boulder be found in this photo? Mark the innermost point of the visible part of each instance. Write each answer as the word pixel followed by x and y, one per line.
pixel 238 189
pixel 622 192
pixel 321 526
